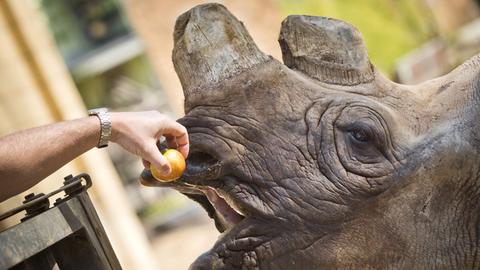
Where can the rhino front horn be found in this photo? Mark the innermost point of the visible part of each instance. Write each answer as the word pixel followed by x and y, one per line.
pixel 326 49
pixel 211 45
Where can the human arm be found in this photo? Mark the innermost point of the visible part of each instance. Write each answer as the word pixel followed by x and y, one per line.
pixel 28 156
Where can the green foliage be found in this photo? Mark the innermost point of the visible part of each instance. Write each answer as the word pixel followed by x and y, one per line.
pixel 390 28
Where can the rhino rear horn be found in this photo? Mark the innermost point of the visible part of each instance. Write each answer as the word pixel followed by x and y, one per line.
pixel 211 45
pixel 326 49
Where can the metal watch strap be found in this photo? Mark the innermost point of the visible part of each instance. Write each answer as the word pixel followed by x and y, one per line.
pixel 105 125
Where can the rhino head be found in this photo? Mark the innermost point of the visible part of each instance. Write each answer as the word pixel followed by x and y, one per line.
pixel 321 162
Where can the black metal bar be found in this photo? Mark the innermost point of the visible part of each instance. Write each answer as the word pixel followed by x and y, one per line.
pixel 31 203
pixel 67 236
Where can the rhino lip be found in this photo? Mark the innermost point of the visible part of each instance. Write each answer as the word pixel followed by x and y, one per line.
pixel 204 173
pixel 202 167
pixel 227 213
pixel 201 182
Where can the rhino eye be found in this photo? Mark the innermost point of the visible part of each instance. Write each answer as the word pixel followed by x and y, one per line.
pixel 364 143
pixel 360 135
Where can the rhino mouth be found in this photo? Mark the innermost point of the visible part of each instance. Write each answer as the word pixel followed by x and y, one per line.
pixel 202 182
pixel 227 213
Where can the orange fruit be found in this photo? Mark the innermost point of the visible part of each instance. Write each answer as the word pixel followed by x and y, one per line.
pixel 177 163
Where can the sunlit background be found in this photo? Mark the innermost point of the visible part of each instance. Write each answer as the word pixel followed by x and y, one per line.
pixel 59 58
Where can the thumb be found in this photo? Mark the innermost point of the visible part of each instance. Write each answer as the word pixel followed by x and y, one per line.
pixel 152 154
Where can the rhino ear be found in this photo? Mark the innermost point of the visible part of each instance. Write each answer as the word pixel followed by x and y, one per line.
pixel 326 49
pixel 211 45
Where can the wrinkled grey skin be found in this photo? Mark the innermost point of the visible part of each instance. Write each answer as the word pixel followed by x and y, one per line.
pixel 335 166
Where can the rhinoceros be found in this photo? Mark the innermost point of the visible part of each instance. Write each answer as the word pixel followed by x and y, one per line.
pixel 321 162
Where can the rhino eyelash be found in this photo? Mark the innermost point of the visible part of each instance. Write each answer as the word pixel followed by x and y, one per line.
pixel 360 136
pixel 360 132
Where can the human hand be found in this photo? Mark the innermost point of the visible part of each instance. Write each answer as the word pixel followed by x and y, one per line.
pixel 138 133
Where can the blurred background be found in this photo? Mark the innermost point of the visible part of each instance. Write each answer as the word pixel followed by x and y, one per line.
pixel 59 58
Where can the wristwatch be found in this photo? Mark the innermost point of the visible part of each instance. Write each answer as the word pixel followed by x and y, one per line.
pixel 105 125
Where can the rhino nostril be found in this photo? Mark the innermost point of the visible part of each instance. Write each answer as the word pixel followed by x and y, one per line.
pixel 202 166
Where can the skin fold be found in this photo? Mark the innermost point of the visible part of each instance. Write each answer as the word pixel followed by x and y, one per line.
pixel 333 165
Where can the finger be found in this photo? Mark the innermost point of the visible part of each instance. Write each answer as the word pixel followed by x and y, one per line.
pixel 184 149
pixel 183 144
pixel 171 142
pixel 174 129
pixel 153 155
pixel 146 164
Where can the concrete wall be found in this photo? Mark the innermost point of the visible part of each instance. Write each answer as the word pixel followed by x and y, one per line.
pixel 36 89
pixel 450 15
pixel 154 21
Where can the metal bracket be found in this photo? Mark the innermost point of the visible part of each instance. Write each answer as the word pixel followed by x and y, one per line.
pixel 68 235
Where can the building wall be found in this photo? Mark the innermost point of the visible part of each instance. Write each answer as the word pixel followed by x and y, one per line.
pixel 450 15
pixel 154 21
pixel 36 89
